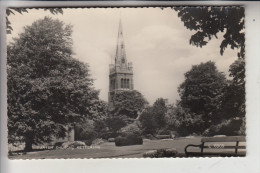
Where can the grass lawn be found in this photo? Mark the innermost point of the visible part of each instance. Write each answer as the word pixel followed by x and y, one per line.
pixel 109 150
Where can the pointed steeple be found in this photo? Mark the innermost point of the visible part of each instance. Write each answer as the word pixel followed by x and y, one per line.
pixel 120 72
pixel 120 58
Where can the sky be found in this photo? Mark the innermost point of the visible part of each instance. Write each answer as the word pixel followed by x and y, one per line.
pixel 156 42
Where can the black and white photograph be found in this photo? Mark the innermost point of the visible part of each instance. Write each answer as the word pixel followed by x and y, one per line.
pixel 161 82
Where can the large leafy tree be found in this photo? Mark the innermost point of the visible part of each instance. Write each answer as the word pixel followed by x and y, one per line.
pixel 48 90
pixel 202 92
pixel 128 103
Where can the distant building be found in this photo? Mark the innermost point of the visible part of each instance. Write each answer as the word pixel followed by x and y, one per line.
pixel 121 72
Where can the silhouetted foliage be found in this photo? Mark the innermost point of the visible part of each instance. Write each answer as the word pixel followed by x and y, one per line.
pixel 10 11
pixel 115 123
pixel 153 118
pixel 209 21
pixel 159 111
pixel 148 121
pixel 187 122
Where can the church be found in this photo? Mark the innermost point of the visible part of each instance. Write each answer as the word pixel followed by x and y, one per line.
pixel 121 71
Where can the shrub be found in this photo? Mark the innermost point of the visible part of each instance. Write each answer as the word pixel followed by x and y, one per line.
pixel 111 139
pixel 86 131
pixel 163 136
pixel 150 136
pixel 97 141
pixel 229 127
pixel 131 129
pixel 161 153
pixel 130 139
pixel 115 123
pixel 74 144
pixel 108 135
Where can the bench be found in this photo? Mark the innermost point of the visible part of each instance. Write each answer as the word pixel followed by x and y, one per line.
pixel 219 146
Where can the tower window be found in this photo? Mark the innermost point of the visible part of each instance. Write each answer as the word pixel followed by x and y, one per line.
pixel 122 46
pixel 122 85
pixel 127 83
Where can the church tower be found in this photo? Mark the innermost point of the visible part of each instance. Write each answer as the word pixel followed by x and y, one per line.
pixel 121 72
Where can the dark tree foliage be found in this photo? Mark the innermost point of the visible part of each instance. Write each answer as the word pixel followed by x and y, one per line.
pixel 128 103
pixel 186 122
pixel 202 91
pixel 159 110
pixel 209 21
pixel 153 118
pixel 234 98
pixel 115 123
pixel 148 121
pixel 48 90
pixel 10 11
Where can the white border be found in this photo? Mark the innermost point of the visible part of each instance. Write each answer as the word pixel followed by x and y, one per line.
pixel 248 164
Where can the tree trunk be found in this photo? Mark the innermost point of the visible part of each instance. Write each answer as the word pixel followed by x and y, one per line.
pixel 28 145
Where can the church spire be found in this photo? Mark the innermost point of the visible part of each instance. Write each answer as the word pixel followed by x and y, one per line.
pixel 120 73
pixel 120 58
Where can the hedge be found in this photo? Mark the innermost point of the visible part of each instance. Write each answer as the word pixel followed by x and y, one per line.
pixel 130 139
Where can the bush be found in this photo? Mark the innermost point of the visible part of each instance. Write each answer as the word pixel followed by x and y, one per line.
pixel 107 135
pixel 86 131
pixel 163 136
pixel 115 123
pixel 97 142
pixel 74 144
pixel 131 129
pixel 161 153
pixel 229 127
pixel 130 139
pixel 111 140
pixel 149 136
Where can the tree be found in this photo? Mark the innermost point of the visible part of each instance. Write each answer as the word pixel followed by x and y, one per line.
pixel 159 110
pixel 48 90
pixel 209 21
pixel 10 11
pixel 148 121
pixel 153 118
pixel 185 122
pixel 202 91
pixel 115 123
pixel 128 103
